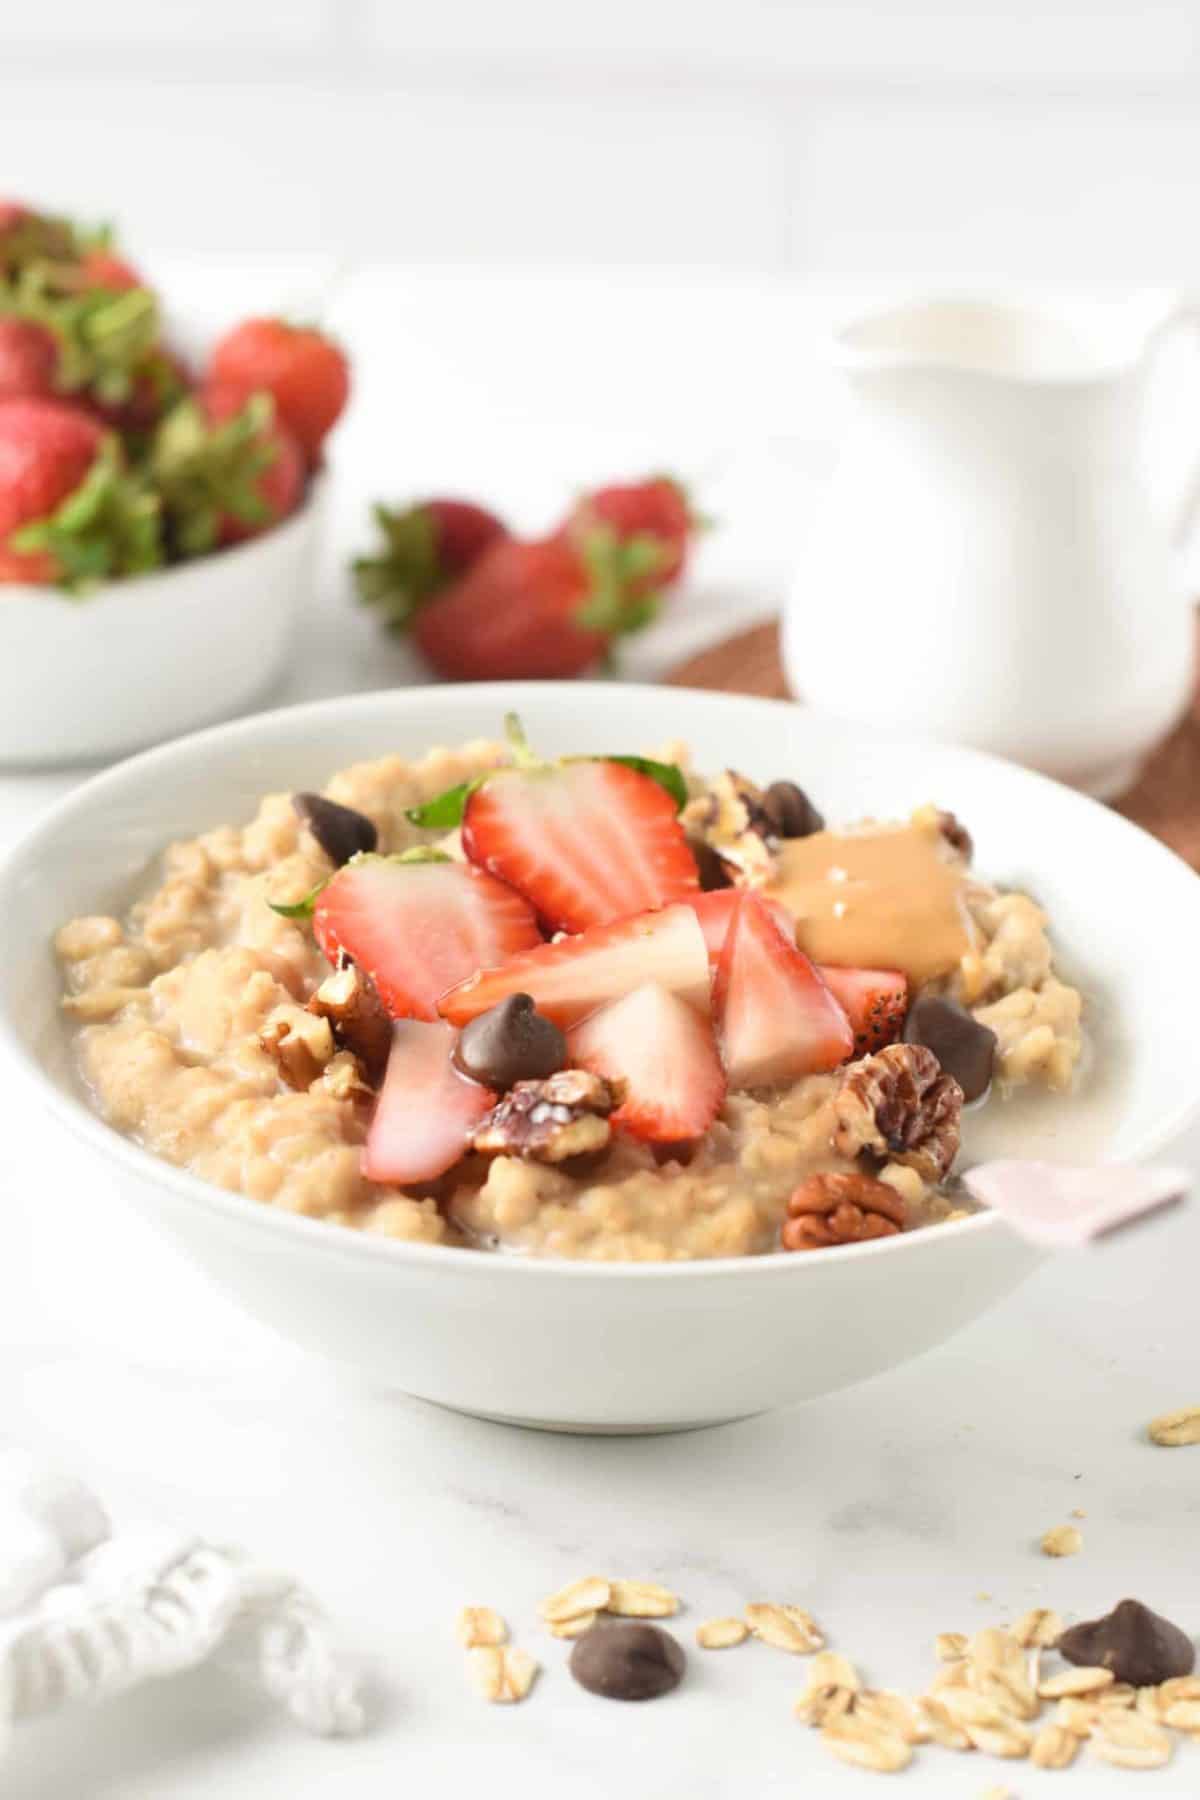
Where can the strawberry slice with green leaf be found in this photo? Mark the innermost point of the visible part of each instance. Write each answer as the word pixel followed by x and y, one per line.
pixel 418 924
pixel 426 1113
pixel 576 976
pixel 585 840
pixel 776 1019
pixel 663 1052
pixel 874 1000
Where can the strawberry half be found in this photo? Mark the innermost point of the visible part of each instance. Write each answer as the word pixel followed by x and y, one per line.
pixel 576 976
pixel 874 1000
pixel 426 1112
pixel 418 927
pixel 776 1019
pixel 585 842
pixel 665 1054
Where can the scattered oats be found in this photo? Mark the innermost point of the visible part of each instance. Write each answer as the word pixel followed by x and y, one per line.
pixel 1010 1739
pixel 997 1793
pixel 830 1669
pixel 641 1600
pixel 1132 1741
pixel 1040 1628
pixel 1062 1540
pixel 1079 1716
pixel 573 1628
pixel 784 1627
pixel 1075 1681
pixel 951 1675
pixel 501 1675
pixel 722 1634
pixel 1121 1693
pixel 1184 1715
pixel 589 1595
pixel 818 1705
pixel 1011 1692
pixel 993 1648
pixel 1173 1428
pixel 983 1596
pixel 1150 1703
pixel 948 1646
pixel 1077 1512
pixel 943 1727
pixel 479 1625
pixel 1179 1687
pixel 1054 1747
pixel 864 1745
pixel 969 1709
pixel 892 1712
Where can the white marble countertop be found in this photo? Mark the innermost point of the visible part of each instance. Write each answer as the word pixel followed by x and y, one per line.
pixel 889 1511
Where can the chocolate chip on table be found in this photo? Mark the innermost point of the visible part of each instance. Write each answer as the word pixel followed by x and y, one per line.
pixel 510 1042
pixel 1138 1645
pixel 965 1048
pixel 340 831
pixel 627 1660
pixel 791 812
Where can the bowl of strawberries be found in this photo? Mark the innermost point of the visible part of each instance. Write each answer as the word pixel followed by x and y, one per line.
pixel 157 519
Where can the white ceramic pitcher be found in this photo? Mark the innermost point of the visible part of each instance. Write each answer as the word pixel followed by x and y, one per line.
pixel 993 562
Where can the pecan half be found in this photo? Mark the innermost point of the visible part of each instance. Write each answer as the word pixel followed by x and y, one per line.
pixel 841 1209
pixel 547 1121
pixel 898 1104
pixel 356 1015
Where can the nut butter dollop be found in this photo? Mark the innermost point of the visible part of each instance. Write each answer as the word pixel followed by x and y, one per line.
pixel 882 897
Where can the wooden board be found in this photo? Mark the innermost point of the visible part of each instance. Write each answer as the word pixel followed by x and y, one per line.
pixel 1165 799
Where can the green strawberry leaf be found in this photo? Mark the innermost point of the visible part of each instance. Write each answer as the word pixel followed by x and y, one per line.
pixel 444 811
pixel 299 909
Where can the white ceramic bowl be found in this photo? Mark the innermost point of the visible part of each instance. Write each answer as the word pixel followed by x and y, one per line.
pixel 645 1346
pixel 144 659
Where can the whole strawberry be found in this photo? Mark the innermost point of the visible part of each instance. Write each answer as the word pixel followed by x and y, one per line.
pixel 69 513
pixel 157 381
pixel 226 470
pixel 28 360
pixel 101 267
pixel 652 519
pixel 530 610
pixel 425 547
pixel 305 372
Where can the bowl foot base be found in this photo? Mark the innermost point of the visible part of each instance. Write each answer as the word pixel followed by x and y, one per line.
pixel 583 1430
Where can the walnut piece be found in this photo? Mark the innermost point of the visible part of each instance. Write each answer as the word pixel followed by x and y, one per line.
pixel 733 821
pixel 547 1121
pixel 898 1104
pixel 356 1015
pixel 300 1045
pixel 841 1209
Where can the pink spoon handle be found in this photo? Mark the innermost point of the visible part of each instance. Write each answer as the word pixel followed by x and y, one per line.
pixel 1061 1206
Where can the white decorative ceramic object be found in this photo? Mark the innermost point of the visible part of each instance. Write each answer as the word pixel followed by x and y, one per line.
pixel 645 1346
pixel 992 562
pixel 145 659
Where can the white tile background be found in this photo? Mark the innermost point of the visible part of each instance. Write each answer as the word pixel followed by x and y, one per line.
pixel 828 137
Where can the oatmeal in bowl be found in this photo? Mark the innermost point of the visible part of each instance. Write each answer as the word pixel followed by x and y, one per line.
pixel 609 1009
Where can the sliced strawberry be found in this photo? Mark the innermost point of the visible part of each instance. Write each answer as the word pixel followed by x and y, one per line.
pixel 665 1053
pixel 426 1111
pixel 715 911
pixel 585 842
pixel 874 1000
pixel 417 928
pixel 776 1019
pixel 578 975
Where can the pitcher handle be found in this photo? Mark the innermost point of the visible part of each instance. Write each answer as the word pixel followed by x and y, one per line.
pixel 1184 311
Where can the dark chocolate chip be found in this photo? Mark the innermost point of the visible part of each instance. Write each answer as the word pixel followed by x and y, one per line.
pixel 627 1660
pixel 510 1042
pixel 340 831
pixel 1138 1645
pixel 713 873
pixel 965 1048
pixel 790 811
pixel 956 835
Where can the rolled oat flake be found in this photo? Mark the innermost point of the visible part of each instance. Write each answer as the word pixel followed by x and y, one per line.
pixel 1138 1645
pixel 627 1660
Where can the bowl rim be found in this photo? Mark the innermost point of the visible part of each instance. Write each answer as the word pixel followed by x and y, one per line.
pixel 108 593
pixel 242 1210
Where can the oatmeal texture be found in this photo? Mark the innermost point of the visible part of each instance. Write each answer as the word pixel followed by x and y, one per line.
pixel 195 1038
